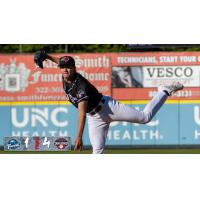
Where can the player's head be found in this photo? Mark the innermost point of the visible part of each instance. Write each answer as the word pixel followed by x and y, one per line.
pixel 67 66
pixel 66 62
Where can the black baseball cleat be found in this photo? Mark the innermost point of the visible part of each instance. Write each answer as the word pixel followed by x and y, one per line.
pixel 170 89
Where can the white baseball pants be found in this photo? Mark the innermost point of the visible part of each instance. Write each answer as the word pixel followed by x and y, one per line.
pixel 112 110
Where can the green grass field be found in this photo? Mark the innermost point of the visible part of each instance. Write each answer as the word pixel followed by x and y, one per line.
pixel 114 151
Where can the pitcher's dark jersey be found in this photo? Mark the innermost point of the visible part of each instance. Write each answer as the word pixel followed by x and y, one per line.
pixel 81 90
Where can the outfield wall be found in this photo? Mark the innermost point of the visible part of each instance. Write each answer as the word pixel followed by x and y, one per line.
pixel 32 102
pixel 177 123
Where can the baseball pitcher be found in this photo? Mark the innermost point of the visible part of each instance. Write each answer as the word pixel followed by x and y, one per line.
pixel 100 110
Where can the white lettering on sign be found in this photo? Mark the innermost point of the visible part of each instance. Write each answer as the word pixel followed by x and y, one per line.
pixel 36 116
pixel 168 59
pixel 197 115
pixel 141 59
pixel 41 116
pixel 101 61
pixel 95 76
pixel 54 116
pixel 39 77
pixel 134 135
pixel 187 59
pixel 196 134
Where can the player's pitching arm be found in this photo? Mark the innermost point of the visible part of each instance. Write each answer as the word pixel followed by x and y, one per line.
pixel 82 108
pixel 52 58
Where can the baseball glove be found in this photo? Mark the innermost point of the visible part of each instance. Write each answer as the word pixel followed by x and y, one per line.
pixel 39 57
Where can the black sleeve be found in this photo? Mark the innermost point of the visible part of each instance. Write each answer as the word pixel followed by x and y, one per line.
pixel 82 94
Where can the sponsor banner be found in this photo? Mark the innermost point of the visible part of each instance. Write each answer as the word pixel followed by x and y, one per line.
pixel 139 74
pixel 156 59
pixel 21 81
pixel 170 126
pixel 37 143
pixel 147 77
pixel 152 76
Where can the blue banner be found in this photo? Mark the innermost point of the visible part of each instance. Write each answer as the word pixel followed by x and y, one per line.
pixel 175 124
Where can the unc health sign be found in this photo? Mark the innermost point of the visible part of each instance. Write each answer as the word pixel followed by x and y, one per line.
pixel 176 123
pixel 32 102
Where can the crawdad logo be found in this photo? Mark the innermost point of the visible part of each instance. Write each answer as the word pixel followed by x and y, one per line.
pixel 62 143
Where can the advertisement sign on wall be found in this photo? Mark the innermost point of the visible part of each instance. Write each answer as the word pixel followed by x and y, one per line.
pixel 32 101
pixel 137 75
pixel 21 81
pixel 171 126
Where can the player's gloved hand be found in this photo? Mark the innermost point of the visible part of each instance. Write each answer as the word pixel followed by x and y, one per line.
pixel 39 57
pixel 78 143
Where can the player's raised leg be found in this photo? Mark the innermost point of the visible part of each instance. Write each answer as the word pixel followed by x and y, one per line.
pixel 121 112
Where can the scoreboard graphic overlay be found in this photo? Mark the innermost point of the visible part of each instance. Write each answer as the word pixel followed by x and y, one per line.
pixel 37 144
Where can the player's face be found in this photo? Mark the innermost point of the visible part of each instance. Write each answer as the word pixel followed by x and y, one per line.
pixel 68 72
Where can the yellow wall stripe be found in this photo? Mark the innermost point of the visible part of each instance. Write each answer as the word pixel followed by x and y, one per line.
pixel 34 103
pixel 68 103
pixel 167 102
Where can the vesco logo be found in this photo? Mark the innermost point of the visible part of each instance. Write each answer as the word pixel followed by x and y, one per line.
pixel 13 144
pixel 61 143
pixel 163 72
pixel 34 116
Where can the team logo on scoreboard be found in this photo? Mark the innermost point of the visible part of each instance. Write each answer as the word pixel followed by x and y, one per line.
pixel 13 144
pixel 61 143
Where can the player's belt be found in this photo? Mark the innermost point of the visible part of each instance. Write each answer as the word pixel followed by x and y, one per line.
pixel 98 108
